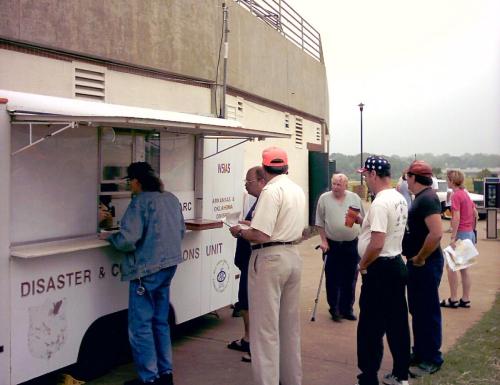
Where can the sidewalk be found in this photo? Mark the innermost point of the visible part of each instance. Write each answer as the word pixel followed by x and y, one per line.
pixel 328 348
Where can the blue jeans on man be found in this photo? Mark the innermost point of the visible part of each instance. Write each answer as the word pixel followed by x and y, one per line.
pixel 148 328
pixel 423 303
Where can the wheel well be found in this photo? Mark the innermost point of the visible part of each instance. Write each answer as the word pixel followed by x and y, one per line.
pixel 106 345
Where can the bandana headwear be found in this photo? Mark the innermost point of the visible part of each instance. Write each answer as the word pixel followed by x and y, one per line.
pixel 375 163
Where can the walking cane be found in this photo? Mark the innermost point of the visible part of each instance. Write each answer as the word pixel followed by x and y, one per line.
pixel 313 317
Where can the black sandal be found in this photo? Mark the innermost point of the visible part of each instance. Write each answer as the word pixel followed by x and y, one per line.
pixel 463 303
pixel 449 303
pixel 240 345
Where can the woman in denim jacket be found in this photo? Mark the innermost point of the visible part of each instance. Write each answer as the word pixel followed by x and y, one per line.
pixel 151 232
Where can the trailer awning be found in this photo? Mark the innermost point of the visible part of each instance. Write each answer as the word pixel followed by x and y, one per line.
pixel 43 109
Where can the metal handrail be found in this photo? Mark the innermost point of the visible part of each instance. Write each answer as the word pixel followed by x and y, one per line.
pixel 281 16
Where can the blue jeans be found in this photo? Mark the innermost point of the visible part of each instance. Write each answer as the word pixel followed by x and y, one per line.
pixel 148 329
pixel 423 302
pixel 467 235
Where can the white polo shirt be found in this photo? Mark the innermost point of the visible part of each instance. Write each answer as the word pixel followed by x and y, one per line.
pixel 280 210
pixel 388 214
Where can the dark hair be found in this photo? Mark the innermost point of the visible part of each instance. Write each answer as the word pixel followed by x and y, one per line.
pixel 259 172
pixel 423 180
pixel 276 170
pixel 384 173
pixel 145 175
pixel 150 183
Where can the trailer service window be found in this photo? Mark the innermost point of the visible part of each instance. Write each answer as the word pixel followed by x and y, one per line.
pixel 119 147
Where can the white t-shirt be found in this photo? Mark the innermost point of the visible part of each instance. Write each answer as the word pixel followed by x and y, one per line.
pixel 388 214
pixel 280 210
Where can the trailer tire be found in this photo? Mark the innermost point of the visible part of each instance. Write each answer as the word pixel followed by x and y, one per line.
pixel 104 346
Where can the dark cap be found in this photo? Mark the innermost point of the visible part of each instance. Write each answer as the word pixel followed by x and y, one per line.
pixel 375 163
pixel 137 170
pixel 419 167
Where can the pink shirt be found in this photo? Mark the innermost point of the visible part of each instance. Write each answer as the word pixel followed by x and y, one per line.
pixel 461 202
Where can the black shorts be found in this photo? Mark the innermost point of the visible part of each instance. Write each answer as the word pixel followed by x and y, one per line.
pixel 243 289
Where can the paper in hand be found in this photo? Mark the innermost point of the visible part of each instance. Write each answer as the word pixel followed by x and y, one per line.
pixel 232 219
pixel 462 256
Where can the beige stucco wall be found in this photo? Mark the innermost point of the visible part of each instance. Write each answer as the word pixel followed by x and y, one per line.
pixel 176 36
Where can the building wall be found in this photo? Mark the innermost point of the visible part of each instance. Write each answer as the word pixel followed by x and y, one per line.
pixel 176 36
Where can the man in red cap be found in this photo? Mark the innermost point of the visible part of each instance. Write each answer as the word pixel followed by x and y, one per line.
pixel 421 246
pixel 274 274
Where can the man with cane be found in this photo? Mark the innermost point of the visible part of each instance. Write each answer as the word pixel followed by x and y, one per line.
pixel 338 216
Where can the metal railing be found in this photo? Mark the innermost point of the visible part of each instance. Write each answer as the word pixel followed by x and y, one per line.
pixel 282 17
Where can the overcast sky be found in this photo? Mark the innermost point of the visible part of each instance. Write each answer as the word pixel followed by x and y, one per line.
pixel 428 72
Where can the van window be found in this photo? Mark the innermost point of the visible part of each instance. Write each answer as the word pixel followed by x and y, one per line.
pixel 442 186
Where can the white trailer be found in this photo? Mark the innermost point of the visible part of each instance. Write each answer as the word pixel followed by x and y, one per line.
pixel 59 158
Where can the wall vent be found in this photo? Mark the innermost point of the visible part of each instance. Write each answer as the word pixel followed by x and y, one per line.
pixel 299 132
pixel 287 122
pixel 90 84
pixel 318 134
pixel 235 110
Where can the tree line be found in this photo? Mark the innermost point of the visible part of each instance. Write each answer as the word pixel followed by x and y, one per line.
pixel 348 164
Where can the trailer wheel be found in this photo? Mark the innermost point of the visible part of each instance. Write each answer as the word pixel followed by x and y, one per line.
pixel 104 346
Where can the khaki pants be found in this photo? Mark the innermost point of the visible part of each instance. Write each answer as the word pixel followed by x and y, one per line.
pixel 274 294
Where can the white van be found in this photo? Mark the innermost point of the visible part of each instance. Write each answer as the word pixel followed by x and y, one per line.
pixel 60 159
pixel 444 194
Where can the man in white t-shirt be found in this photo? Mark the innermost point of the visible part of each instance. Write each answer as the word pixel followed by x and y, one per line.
pixel 382 302
pixel 274 274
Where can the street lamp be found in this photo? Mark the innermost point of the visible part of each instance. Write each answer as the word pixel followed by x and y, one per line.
pixel 361 105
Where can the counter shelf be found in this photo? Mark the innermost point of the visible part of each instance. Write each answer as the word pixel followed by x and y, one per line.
pixel 202 224
pixel 42 249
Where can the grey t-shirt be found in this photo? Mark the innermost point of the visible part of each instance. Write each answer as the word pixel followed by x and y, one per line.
pixel 330 214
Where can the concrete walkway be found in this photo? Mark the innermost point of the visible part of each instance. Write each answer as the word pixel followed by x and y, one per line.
pixel 328 348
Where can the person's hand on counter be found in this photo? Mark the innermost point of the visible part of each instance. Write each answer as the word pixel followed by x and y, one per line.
pixel 104 235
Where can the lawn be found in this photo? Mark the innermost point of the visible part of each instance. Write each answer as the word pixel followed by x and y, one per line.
pixel 475 359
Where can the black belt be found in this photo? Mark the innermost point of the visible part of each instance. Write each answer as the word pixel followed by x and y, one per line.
pixel 269 244
pixel 387 258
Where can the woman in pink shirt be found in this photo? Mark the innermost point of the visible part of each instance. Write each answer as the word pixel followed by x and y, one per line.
pixel 463 222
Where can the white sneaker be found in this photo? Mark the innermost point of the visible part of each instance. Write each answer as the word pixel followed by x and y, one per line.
pixel 391 379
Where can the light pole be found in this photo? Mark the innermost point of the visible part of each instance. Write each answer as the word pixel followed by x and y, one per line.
pixel 361 105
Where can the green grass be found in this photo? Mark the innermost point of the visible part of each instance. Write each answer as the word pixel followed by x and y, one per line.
pixel 475 358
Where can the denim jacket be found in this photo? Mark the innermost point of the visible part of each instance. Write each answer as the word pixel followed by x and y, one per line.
pixel 151 233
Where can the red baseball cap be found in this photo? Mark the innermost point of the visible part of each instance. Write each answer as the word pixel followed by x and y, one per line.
pixel 419 167
pixel 274 157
